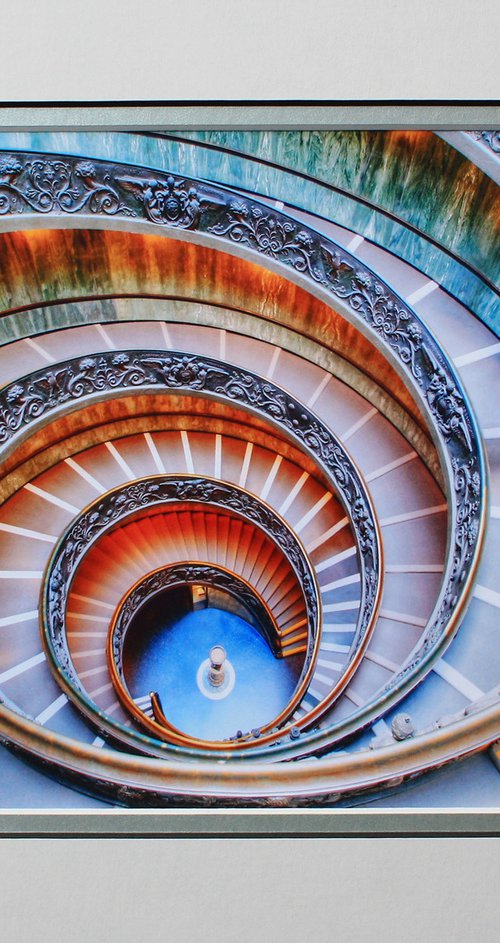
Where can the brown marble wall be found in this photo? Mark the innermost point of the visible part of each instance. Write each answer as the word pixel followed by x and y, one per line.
pixel 413 174
pixel 42 266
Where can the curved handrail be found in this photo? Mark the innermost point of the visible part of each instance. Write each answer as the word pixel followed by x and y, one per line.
pixel 64 186
pixel 188 572
pixel 126 502
pixel 45 393
pixel 148 587
pixel 68 186
pixel 146 781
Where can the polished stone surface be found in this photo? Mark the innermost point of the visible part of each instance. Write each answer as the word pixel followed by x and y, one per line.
pixel 398 171
pixel 169 659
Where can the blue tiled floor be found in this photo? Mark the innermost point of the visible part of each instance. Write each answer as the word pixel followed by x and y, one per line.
pixel 172 655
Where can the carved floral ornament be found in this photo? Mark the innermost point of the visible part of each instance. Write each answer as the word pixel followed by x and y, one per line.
pixel 47 390
pixel 65 185
pixel 119 505
pixel 182 574
pixel 127 500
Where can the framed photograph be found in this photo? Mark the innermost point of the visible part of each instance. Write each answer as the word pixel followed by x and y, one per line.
pixel 250 487
pixel 189 82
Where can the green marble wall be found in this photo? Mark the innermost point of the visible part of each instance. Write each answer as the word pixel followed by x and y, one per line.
pixel 413 174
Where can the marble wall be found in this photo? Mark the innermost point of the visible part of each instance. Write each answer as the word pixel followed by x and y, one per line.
pixel 416 177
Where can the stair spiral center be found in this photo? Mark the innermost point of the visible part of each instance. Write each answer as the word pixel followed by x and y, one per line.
pixel 158 657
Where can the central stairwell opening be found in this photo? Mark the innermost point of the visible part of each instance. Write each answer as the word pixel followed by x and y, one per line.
pixel 168 650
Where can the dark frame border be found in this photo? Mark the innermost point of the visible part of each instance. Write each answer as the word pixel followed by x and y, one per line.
pixel 282 823
pixel 272 114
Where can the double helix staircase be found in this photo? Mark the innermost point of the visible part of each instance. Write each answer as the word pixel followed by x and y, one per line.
pixel 381 694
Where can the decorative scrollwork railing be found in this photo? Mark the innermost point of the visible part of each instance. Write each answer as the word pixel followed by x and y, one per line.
pixel 62 186
pixel 158 494
pixel 179 574
pixel 44 393
pixel 151 495
pixel 155 583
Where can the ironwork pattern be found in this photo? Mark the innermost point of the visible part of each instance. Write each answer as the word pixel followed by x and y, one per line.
pixel 67 185
pixel 181 574
pixel 63 185
pixel 46 390
pixel 119 504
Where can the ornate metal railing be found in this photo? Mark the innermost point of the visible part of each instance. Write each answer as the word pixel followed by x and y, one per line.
pixel 46 392
pixel 155 583
pixel 65 186
pixel 140 497
pixel 146 781
pixel 147 496
pixel 163 578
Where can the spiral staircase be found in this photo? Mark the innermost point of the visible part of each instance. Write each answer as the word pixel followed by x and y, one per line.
pixel 203 383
